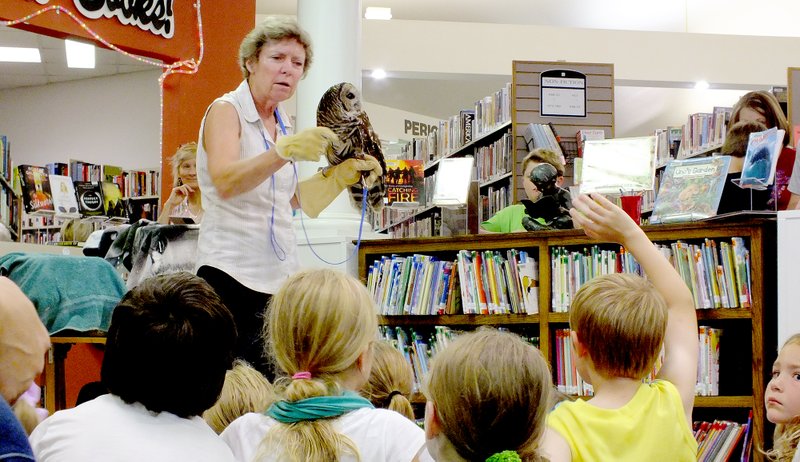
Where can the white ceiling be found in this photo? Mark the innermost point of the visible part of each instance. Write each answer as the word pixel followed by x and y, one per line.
pixel 440 95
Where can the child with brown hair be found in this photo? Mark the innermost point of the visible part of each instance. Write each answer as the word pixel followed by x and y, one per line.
pixel 390 381
pixel 245 390
pixel 320 332
pixel 488 395
pixel 619 323
pixel 782 400
pixel 509 219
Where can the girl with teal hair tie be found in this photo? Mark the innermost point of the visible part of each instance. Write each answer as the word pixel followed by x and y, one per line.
pixel 320 333
pixel 488 395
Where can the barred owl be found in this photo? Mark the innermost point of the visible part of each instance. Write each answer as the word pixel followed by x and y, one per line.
pixel 340 110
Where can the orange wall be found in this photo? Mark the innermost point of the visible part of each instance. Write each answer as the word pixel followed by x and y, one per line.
pixel 185 96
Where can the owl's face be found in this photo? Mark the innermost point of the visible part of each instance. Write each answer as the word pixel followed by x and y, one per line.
pixel 350 99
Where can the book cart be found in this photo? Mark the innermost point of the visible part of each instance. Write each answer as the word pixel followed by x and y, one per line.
pixel 748 346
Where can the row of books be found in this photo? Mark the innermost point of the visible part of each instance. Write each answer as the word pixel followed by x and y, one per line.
pixel 495 160
pixel 485 282
pixel 718 273
pixel 5 158
pixel 493 201
pixel 718 441
pixel 417 227
pixel 569 381
pixel 492 110
pixel 132 183
pixel 703 130
pixel 59 195
pixel 419 350
pixel 461 129
pixel 541 136
pixel 708 364
pixel 8 208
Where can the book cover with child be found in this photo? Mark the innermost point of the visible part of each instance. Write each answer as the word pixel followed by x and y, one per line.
pixel 690 189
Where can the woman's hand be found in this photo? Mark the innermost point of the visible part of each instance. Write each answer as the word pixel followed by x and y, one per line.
pixel 177 195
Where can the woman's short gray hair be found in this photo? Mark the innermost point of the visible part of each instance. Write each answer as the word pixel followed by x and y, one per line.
pixel 273 29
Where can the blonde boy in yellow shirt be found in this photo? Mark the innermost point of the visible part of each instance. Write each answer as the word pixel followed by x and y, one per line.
pixel 619 323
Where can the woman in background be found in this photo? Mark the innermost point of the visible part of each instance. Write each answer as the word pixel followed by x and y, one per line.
pixel 762 106
pixel 184 200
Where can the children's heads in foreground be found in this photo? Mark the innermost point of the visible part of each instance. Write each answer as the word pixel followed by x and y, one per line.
pixel 245 390
pixel 169 344
pixel 618 323
pixel 782 400
pixel 23 341
pixel 534 158
pixel 390 381
pixel 320 330
pixel 488 392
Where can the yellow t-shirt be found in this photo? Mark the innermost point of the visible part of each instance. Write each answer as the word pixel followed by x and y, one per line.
pixel 652 427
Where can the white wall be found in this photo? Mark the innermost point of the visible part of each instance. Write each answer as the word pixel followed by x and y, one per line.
pixel 111 120
pixel 640 110
pixel 472 48
pixel 390 123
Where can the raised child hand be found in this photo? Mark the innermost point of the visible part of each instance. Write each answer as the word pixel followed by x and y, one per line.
pixel 309 145
pixel 601 219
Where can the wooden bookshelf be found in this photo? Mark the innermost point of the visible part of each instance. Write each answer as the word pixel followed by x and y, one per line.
pixel 749 331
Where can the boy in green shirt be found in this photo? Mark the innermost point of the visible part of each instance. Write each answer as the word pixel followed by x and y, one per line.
pixel 509 219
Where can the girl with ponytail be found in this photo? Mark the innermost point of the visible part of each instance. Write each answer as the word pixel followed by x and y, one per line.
pixel 320 333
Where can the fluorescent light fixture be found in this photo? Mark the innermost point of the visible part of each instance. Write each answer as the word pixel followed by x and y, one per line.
pixel 20 55
pixel 79 55
pixel 376 12
pixel 701 85
pixel 378 74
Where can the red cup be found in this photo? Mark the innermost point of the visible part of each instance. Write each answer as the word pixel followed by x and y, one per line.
pixel 632 205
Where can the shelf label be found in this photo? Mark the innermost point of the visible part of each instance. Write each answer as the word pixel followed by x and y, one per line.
pixel 563 93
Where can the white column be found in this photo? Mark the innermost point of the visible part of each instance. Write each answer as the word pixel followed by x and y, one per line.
pixel 335 29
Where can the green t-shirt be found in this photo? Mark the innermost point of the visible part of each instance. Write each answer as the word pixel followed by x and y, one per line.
pixel 507 220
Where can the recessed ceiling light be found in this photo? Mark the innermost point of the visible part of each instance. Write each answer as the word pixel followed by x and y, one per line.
pixel 378 74
pixel 20 55
pixel 701 85
pixel 375 12
pixel 79 55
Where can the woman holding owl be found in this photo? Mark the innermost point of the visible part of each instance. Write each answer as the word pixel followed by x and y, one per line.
pixel 247 179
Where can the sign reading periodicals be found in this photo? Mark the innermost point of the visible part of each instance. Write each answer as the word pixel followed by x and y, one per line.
pixel 563 93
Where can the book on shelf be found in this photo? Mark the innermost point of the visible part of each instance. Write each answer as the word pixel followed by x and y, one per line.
pixel 64 200
pixel 690 189
pixel 113 204
pixel 618 164
pixel 142 208
pixel 5 157
pixel 582 136
pixel 541 136
pixel 761 158
pixel 57 168
pixel 405 183
pixel 467 117
pixel 90 198
pixel 35 187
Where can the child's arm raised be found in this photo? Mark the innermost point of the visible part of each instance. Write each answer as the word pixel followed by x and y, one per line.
pixel 604 221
